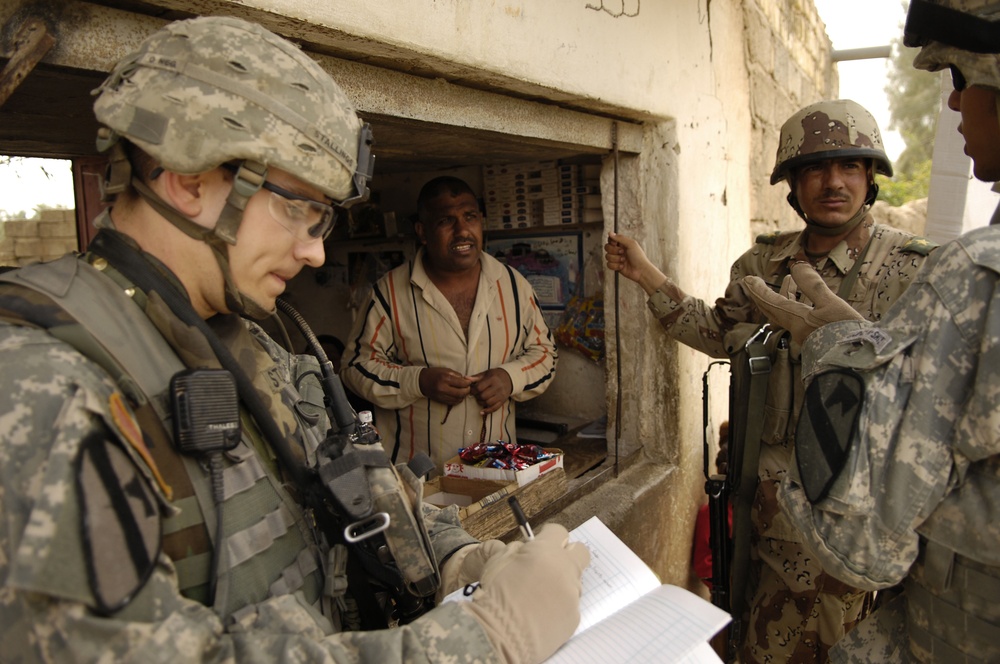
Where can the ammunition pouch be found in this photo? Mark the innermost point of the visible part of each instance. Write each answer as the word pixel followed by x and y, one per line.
pixel 375 509
pixel 951 607
pixel 782 385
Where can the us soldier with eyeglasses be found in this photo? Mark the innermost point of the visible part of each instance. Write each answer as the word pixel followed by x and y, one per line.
pixel 897 480
pixel 451 341
pixel 158 491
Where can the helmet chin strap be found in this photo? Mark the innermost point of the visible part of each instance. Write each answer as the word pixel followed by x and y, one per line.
pixel 840 229
pixel 248 180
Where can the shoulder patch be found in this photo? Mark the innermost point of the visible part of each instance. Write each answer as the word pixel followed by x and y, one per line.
pixel 122 419
pixel 828 426
pixel 768 238
pixel 920 245
pixel 119 524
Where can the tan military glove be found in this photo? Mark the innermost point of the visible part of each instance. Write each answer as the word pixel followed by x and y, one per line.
pixel 800 319
pixel 466 565
pixel 528 600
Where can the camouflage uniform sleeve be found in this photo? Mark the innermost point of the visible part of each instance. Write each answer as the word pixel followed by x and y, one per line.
pixel 703 326
pixel 445 530
pixel 447 633
pixel 930 372
pixel 161 626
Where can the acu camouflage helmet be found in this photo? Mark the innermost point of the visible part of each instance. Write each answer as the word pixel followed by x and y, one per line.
pixel 833 129
pixel 964 34
pixel 202 92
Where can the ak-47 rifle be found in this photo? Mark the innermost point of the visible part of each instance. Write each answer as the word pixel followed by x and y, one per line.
pixel 716 487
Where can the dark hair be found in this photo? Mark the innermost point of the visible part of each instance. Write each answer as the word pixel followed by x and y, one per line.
pixel 444 184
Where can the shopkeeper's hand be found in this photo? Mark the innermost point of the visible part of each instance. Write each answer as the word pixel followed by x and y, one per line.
pixel 528 600
pixel 444 385
pixel 492 389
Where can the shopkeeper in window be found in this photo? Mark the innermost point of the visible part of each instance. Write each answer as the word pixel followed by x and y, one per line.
pixel 451 340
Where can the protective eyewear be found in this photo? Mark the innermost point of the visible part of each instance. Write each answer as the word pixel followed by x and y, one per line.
pixel 957 79
pixel 306 219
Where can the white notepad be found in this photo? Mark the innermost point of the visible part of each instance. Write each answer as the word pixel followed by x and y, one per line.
pixel 627 615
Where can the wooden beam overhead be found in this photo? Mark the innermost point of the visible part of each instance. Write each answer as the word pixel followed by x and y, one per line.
pixel 31 43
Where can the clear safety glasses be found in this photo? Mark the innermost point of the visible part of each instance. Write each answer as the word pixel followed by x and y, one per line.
pixel 306 219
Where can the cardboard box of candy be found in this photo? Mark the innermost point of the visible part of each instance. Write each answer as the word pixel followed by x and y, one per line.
pixel 548 460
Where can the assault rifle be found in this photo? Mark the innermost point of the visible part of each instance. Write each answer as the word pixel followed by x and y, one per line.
pixel 718 510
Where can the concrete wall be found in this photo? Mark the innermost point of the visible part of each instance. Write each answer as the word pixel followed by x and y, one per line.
pixel 48 235
pixel 788 57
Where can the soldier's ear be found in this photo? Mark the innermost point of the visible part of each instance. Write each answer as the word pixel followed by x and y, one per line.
pixel 185 193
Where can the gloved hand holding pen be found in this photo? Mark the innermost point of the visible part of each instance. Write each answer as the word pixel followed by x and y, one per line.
pixel 528 599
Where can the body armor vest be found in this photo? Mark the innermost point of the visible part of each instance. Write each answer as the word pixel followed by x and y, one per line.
pixel 265 528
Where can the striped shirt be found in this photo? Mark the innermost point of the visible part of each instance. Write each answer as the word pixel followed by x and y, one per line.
pixel 409 324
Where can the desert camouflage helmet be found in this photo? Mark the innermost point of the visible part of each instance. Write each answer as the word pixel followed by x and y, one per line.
pixel 832 129
pixel 202 92
pixel 960 33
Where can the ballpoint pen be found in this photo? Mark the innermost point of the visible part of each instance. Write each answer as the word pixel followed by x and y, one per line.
pixel 522 521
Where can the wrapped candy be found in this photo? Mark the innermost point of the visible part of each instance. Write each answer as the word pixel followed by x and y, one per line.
pixel 503 456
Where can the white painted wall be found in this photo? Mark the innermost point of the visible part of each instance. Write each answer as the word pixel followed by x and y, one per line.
pixel 637 61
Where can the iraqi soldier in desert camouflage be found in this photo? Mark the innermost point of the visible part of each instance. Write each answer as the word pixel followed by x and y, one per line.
pixel 828 153
pixel 897 480
pixel 140 523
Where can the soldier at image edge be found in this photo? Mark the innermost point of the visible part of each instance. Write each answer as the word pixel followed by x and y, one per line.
pixel 896 484
pixel 127 532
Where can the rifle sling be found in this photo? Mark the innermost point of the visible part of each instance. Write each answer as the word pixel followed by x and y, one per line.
pixel 757 368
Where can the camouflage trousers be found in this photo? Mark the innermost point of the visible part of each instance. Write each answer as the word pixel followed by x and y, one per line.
pixel 797 611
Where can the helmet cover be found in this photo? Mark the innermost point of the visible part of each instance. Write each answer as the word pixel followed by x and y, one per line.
pixel 834 129
pixel 963 33
pixel 205 91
